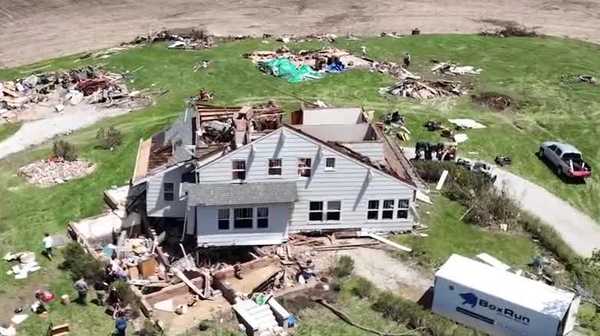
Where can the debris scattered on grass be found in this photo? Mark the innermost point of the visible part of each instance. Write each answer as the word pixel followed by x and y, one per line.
pixel 25 264
pixel 56 90
pixel 510 29
pixel 454 69
pixel 307 64
pixel 494 101
pixel 55 171
pixel 424 89
pixel 393 69
pixel 578 78
pixel 465 123
pixel 179 39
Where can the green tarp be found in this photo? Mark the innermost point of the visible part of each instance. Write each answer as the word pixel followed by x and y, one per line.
pixel 284 68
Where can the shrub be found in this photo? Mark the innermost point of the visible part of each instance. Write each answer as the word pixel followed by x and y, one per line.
pixel 64 150
pixel 343 267
pixel 109 138
pixel 402 311
pixel 150 329
pixel 362 287
pixel 80 264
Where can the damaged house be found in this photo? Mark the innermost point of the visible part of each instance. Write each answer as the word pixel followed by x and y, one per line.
pixel 236 176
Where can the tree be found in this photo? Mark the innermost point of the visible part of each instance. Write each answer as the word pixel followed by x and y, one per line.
pixel 109 138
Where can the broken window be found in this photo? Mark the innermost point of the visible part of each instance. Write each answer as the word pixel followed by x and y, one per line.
pixel 403 205
pixel 330 164
pixel 315 211
pixel 223 219
pixel 334 209
pixel 373 212
pixel 238 170
pixel 242 218
pixel 388 209
pixel 262 218
pixel 168 191
pixel 274 167
pixel 304 167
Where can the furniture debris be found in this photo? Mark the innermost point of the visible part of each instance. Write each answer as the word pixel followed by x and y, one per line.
pixel 423 89
pixel 59 330
pixel 454 69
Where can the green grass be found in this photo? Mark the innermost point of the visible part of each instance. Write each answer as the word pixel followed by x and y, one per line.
pixel 526 68
pixel 7 130
pixel 447 234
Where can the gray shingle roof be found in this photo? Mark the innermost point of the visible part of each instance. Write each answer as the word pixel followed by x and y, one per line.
pixel 240 194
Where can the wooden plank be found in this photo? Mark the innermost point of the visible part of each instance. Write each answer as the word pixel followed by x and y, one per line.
pixel 189 283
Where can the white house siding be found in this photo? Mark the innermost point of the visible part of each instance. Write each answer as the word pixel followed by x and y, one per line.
pixel 208 233
pixel 372 149
pixel 156 206
pixel 350 182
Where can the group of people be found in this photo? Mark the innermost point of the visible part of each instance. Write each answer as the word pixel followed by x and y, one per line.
pixel 114 271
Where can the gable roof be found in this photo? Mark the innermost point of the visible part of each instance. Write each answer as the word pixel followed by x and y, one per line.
pixel 213 194
pixel 334 146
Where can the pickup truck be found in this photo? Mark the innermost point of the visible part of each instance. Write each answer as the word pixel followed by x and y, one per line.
pixel 566 160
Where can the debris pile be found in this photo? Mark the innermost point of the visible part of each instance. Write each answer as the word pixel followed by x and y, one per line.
pixel 308 64
pixel 58 89
pixel 179 39
pixel 447 68
pixel 393 69
pixel 394 123
pixel 55 171
pixel 494 101
pixel 578 78
pixel 511 30
pixel 423 89
pixel 23 264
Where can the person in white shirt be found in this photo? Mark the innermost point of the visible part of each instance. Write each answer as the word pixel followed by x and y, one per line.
pixel 48 243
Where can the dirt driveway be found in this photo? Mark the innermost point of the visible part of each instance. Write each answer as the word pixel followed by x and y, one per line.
pixel 36 30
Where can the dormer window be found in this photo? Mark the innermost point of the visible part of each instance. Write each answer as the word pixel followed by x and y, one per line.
pixel 238 170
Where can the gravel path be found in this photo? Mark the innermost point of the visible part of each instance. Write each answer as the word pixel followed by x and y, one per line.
pixel 38 131
pixel 577 229
pixel 388 273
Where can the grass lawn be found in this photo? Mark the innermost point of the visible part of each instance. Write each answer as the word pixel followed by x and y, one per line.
pixel 7 130
pixel 448 235
pixel 525 68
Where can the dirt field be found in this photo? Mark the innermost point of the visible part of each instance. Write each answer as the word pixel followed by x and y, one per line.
pixel 37 30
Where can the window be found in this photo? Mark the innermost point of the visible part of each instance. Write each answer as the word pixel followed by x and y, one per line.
pixel 558 151
pixel 238 170
pixel 242 218
pixel 262 218
pixel 223 219
pixel 189 177
pixel 168 191
pixel 330 164
pixel 333 210
pixel 304 167
pixel 274 167
pixel 373 212
pixel 315 211
pixel 388 209
pixel 403 209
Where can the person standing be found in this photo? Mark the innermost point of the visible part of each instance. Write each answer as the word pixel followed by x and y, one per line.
pixel 121 324
pixel 48 243
pixel 407 59
pixel 82 288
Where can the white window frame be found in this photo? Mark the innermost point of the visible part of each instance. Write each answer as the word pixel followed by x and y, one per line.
pixel 333 211
pixel 403 208
pixel 264 217
pixel 252 212
pixel 327 167
pixel 321 211
pixel 235 170
pixel 375 210
pixel 170 192
pixel 280 167
pixel 219 219
pixel 303 167
pixel 390 209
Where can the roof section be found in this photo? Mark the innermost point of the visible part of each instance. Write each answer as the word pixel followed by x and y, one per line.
pixel 240 193
pixel 342 133
pixel 332 116
pixel 338 147
pixel 507 286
